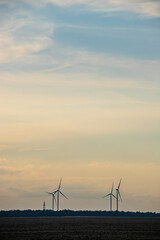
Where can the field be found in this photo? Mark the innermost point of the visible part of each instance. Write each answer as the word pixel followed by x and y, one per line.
pixel 78 228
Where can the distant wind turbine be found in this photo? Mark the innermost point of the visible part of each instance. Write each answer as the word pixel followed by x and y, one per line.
pixel 44 206
pixel 53 199
pixel 58 192
pixel 111 195
pixel 118 195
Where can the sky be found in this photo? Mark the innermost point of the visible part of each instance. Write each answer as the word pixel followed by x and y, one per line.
pixel 80 99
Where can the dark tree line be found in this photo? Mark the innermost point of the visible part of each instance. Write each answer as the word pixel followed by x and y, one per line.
pixel 71 213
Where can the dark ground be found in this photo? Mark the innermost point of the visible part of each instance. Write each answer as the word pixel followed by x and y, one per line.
pixel 86 228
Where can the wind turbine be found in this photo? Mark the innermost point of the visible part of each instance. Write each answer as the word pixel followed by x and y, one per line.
pixel 53 199
pixel 118 195
pixel 111 195
pixel 44 206
pixel 58 192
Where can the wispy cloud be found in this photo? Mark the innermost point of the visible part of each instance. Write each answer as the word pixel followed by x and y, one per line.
pixel 16 43
pixel 8 171
pixel 11 51
pixel 147 8
pixel 66 63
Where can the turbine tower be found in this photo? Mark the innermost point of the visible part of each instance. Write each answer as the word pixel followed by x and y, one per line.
pixel 111 195
pixel 44 206
pixel 58 192
pixel 53 199
pixel 118 195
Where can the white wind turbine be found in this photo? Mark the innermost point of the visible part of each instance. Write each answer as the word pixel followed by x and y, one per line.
pixel 118 195
pixel 53 199
pixel 58 192
pixel 111 195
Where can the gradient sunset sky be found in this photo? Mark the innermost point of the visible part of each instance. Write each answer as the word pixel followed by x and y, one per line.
pixel 80 99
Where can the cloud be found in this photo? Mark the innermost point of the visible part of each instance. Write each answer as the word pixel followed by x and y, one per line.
pixel 147 8
pixel 21 36
pixel 11 51
pixel 78 119
pixel 8 171
pixel 5 147
pixel 4 2
pixel 67 63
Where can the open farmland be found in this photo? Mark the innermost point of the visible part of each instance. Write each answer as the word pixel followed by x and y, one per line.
pixel 80 228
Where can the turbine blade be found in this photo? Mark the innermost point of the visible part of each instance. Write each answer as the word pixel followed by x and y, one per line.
pixel 114 196
pixel 60 184
pixel 63 194
pixel 112 187
pixel 49 193
pixel 120 196
pixel 119 183
pixel 54 199
pixel 106 195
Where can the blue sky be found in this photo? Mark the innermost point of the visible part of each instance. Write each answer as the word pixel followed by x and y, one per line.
pixel 80 99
